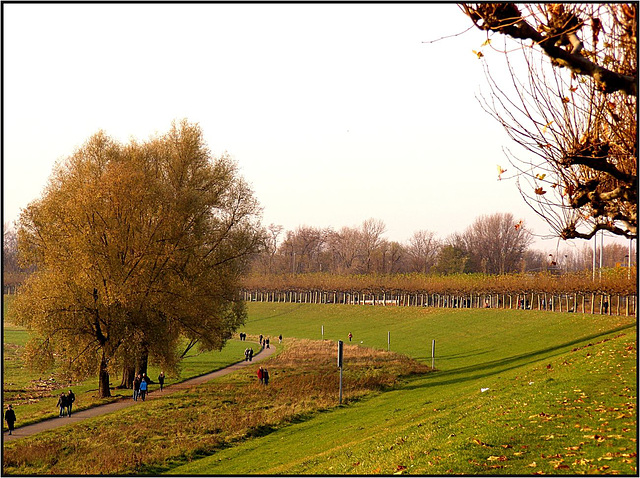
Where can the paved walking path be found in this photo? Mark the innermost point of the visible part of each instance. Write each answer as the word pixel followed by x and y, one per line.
pixel 75 417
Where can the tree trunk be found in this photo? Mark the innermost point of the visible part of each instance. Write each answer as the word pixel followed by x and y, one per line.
pixel 103 378
pixel 142 361
pixel 128 374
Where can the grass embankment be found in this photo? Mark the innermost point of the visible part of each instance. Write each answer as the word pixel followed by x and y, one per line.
pixel 34 395
pixel 559 397
pixel 156 436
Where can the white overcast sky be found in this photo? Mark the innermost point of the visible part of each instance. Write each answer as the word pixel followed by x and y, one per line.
pixel 335 113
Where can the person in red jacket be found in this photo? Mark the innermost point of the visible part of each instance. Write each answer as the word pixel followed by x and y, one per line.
pixel 260 376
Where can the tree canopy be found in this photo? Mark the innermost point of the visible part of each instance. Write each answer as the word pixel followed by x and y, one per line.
pixel 574 111
pixel 136 248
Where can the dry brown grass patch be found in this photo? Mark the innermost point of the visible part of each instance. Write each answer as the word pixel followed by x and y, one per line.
pixel 196 422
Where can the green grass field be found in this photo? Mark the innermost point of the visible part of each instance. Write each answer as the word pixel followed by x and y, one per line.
pixel 552 404
pixel 515 392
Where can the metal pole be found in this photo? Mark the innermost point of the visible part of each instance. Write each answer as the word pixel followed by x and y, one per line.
pixel 340 355
pixel 388 340
pixel 323 332
pixel 595 250
pixel 601 252
pixel 629 269
pixel 433 353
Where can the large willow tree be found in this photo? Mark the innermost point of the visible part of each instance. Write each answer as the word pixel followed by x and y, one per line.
pixel 138 249
pixel 570 102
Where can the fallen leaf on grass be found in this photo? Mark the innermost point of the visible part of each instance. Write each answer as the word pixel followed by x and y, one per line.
pixel 497 458
pixel 478 442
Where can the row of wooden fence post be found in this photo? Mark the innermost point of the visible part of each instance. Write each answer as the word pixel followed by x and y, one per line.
pixel 575 302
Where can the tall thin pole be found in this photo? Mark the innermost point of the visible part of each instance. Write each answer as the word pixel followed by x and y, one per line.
pixel 629 269
pixel 340 356
pixel 433 353
pixel 388 340
pixel 601 252
pixel 595 250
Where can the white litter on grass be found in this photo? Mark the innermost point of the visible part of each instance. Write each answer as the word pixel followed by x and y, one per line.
pixel 484 389
pixel 530 383
pixel 362 341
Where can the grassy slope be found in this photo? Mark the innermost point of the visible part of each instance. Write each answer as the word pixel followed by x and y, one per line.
pixel 554 404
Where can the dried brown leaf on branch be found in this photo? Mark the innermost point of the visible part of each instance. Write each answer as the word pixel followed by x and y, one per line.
pixel 575 109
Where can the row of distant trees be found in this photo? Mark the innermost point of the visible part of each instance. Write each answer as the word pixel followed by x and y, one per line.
pixel 493 244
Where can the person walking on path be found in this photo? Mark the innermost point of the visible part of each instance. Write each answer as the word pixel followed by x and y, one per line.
pixel 280 338
pixel 251 354
pixel 161 380
pixel 143 387
pixel 261 339
pixel 10 417
pixel 62 403
pixel 136 387
pixel 70 399
pixel 101 410
pixel 265 376
pixel 261 375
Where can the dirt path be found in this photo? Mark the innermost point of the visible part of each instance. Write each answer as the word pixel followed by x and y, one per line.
pixel 57 422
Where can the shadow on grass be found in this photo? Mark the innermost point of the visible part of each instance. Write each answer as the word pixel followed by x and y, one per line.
pixel 494 367
pixel 471 353
pixel 199 453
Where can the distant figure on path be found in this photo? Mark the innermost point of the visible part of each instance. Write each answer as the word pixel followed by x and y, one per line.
pixel 10 417
pixel 136 387
pixel 267 341
pixel 62 403
pixel 265 376
pixel 350 336
pixel 70 399
pixel 246 354
pixel 280 338
pixel 261 375
pixel 161 380
pixel 261 339
pixel 143 387
pixel 250 354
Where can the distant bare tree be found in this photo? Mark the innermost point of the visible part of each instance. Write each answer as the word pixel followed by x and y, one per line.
pixel 303 248
pixel 12 274
pixel 371 239
pixel 266 260
pixel 423 250
pixel 495 244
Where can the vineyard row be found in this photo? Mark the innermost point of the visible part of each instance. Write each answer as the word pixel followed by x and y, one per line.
pixel 586 303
